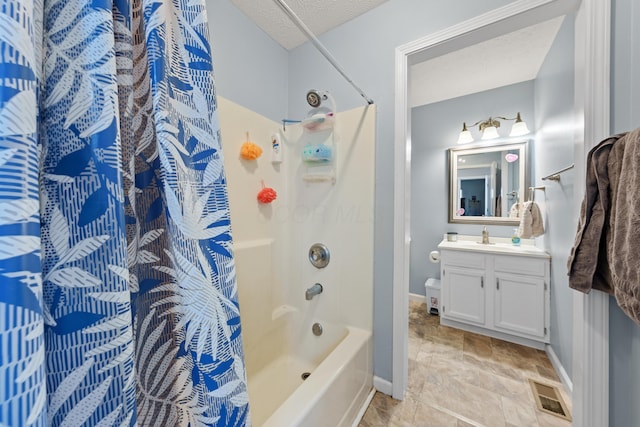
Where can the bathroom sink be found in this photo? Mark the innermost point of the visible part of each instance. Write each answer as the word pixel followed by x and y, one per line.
pixel 497 245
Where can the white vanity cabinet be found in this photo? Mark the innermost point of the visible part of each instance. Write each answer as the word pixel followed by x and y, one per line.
pixel 496 290
pixel 464 288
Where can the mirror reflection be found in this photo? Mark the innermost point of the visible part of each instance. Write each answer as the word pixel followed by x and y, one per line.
pixel 487 183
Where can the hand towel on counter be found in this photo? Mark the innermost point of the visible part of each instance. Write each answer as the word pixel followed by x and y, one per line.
pixel 531 224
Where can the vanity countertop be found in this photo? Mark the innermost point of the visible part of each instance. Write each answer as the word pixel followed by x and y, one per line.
pixel 497 245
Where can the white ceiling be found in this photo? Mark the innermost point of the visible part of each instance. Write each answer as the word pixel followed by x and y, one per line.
pixel 512 58
pixel 319 15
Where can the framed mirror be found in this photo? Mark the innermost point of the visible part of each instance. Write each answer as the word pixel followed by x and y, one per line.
pixel 486 183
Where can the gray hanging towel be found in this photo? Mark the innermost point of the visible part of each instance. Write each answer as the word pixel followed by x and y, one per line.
pixel 604 255
pixel 623 240
pixel 587 264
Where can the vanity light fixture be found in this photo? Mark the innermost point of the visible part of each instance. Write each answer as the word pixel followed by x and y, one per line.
pixel 489 128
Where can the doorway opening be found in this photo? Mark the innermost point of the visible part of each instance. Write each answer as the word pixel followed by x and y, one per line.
pixel 592 99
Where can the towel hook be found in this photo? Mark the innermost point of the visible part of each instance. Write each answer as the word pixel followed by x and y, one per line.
pixel 532 192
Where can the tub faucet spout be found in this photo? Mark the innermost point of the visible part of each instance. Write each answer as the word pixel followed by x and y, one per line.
pixel 313 291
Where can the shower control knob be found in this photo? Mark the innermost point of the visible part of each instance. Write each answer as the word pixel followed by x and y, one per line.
pixel 319 255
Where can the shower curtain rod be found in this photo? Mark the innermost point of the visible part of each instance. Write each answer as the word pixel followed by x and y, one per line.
pixel 323 50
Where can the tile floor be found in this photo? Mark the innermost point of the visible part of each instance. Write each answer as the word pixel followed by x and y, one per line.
pixel 459 378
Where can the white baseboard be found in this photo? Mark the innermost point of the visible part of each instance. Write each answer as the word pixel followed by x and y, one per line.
pixel 383 386
pixel 562 373
pixel 417 298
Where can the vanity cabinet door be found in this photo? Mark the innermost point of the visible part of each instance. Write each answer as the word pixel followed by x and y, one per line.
pixel 463 294
pixel 519 304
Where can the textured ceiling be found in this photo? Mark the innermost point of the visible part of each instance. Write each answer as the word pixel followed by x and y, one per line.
pixel 512 58
pixel 319 15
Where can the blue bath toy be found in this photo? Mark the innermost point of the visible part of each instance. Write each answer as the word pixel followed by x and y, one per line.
pixel 316 153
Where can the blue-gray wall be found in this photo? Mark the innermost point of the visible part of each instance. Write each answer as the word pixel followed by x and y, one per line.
pixel 365 47
pixel 434 129
pixel 624 350
pixel 251 69
pixel 555 117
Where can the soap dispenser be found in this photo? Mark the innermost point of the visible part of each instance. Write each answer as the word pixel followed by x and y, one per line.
pixel 515 237
pixel 485 235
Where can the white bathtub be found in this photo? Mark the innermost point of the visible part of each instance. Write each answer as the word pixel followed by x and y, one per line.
pixel 339 362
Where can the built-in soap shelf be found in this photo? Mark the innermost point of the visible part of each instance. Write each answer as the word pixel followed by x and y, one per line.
pixel 319 178
pixel 283 311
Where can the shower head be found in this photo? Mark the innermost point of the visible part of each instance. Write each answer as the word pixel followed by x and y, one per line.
pixel 315 97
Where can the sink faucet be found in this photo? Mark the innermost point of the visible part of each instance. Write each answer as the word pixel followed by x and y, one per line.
pixel 313 291
pixel 485 236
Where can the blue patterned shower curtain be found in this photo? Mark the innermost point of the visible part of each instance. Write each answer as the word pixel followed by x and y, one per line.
pixel 118 303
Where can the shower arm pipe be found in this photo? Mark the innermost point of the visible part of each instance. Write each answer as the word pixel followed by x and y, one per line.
pixel 323 50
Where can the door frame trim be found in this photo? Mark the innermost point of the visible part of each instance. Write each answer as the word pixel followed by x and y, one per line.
pixel 592 72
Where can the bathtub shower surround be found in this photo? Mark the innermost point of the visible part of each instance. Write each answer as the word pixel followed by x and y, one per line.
pixel 116 272
pixel 295 377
